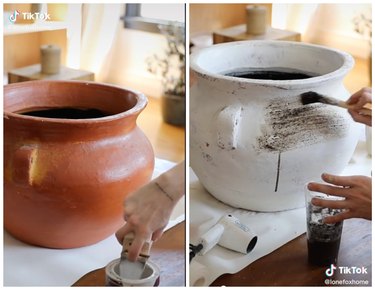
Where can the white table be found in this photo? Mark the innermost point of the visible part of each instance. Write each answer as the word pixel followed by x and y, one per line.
pixel 27 265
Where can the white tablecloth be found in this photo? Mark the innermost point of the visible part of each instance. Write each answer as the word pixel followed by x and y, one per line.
pixel 27 265
pixel 273 229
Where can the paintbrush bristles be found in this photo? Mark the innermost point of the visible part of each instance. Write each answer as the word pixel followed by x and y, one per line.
pixel 310 97
pixel 313 97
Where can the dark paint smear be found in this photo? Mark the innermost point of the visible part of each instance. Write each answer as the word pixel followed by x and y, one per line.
pixel 289 127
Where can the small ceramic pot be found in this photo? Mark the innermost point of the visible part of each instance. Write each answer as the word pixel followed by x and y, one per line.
pixel 173 109
pixel 150 276
pixel 65 179
pixel 50 59
pixel 253 144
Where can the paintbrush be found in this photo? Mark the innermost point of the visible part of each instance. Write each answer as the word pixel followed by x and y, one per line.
pixel 313 97
pixel 133 270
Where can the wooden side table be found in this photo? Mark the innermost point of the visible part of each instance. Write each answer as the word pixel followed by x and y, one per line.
pixel 237 33
pixel 33 72
pixel 288 265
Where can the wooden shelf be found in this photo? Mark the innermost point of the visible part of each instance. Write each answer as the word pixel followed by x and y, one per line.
pixel 33 72
pixel 14 29
pixel 237 33
pixel 22 42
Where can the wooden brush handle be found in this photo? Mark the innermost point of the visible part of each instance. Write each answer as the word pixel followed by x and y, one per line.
pixel 366 109
pixel 368 106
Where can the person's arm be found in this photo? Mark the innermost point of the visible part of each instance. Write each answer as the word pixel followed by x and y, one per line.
pixel 356 190
pixel 147 211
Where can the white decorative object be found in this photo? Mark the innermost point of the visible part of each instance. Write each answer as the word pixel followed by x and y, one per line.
pixel 253 144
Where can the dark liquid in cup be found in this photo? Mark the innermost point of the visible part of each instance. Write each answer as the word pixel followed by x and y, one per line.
pixel 279 74
pixel 323 240
pixel 67 113
pixel 323 253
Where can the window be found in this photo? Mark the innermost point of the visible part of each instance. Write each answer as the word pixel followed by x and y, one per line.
pixel 147 17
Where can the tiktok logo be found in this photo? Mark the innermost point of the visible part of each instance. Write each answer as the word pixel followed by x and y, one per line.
pixel 13 16
pixel 36 16
pixel 331 270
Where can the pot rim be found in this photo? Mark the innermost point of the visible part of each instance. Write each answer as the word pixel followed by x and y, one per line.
pixel 348 63
pixel 136 109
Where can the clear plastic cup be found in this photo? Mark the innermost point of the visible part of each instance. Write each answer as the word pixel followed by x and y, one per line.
pixel 323 240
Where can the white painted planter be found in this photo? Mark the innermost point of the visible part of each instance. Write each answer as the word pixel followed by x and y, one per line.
pixel 253 144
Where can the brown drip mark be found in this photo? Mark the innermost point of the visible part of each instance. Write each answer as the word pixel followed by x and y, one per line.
pixel 290 126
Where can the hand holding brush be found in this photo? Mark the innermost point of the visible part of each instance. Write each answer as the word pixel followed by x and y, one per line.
pixel 359 103
pixel 359 100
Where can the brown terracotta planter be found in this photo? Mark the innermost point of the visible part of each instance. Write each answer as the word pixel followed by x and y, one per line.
pixel 65 179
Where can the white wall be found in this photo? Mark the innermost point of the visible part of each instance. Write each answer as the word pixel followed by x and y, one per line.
pixel 325 24
pixel 126 63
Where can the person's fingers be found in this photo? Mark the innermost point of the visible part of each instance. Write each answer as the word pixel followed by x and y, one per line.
pixel 335 204
pixel 353 99
pixel 345 181
pixel 134 220
pixel 364 96
pixel 157 234
pixel 135 247
pixel 129 208
pixel 364 119
pixel 122 232
pixel 338 217
pixel 119 235
pixel 328 189
pixel 364 99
